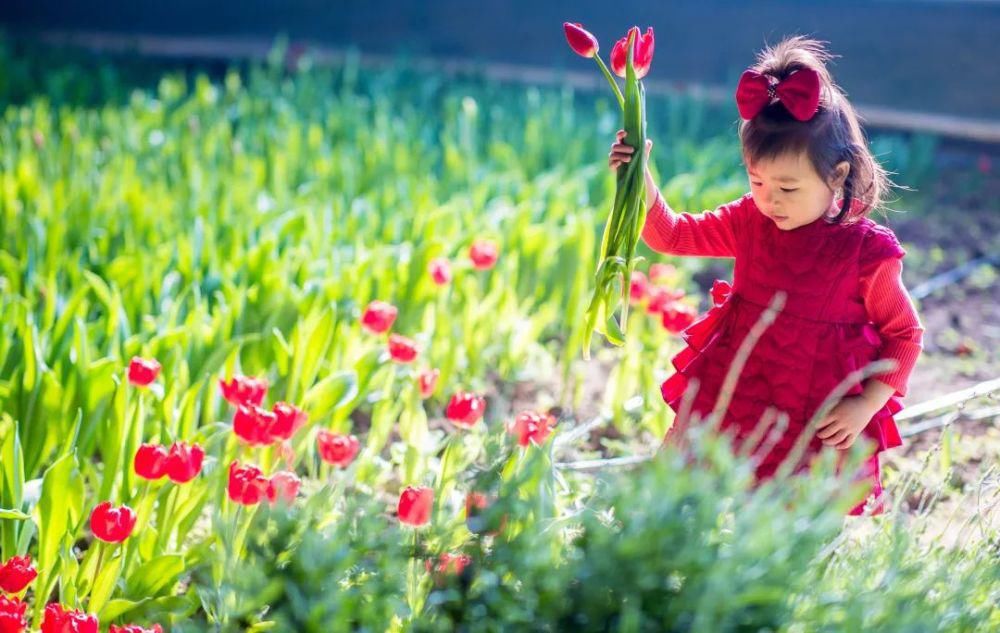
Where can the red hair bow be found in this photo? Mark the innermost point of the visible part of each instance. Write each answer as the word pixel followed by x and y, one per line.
pixel 798 92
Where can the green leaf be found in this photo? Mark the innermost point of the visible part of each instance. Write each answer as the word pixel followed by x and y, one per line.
pixel 118 607
pixel 613 332
pixel 60 484
pixel 106 579
pixel 13 515
pixel 154 576
pixel 330 393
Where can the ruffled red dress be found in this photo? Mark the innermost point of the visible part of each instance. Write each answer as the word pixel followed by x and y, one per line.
pixel 822 334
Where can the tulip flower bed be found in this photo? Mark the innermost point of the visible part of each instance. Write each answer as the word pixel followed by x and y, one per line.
pixel 264 338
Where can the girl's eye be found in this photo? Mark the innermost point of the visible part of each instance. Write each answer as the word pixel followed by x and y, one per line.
pixel 788 190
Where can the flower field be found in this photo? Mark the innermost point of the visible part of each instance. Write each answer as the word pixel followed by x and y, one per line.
pixel 298 348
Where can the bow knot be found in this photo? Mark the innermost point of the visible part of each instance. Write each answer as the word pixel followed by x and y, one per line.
pixel 798 92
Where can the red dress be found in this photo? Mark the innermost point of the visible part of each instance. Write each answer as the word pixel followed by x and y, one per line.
pixel 823 333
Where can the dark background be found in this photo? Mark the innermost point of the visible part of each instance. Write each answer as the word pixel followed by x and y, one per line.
pixel 933 56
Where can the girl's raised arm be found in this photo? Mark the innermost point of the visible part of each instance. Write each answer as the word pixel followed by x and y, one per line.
pixel 708 234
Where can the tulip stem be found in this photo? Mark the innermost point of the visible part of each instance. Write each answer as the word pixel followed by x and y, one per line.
pixel 97 568
pixel 611 80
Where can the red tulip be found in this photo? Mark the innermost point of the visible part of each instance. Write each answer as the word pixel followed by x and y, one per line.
pixel 638 287
pixel 184 462
pixel 378 317
pixel 475 503
pixel 677 316
pixel 285 452
pixel 247 484
pixel 283 485
pixel 57 620
pixel 12 615
pixel 465 408
pixel 143 371
pixel 16 574
pixel 483 254
pixel 440 270
pixel 659 273
pixel 111 524
pixel 402 349
pixel 720 291
pixel 446 564
pixel 531 426
pixel 661 298
pixel 288 420
pixel 253 425
pixel 580 40
pixel 415 506
pixel 642 55
pixel 337 449
pixel 244 390
pixel 427 380
pixel 135 628
pixel 150 461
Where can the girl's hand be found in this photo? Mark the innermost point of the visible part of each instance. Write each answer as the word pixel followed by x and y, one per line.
pixel 845 422
pixel 622 153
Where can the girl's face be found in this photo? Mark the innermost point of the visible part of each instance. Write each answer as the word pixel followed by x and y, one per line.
pixel 790 193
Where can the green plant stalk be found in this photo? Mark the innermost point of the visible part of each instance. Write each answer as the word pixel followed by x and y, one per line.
pixel 611 80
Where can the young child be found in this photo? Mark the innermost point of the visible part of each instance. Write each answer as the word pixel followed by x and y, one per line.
pixel 802 229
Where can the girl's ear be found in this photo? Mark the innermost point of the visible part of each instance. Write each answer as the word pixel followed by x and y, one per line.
pixel 840 174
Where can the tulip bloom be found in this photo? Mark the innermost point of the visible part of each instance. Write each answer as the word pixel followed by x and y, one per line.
pixel 402 349
pixel 465 408
pixel 661 272
pixel 427 380
pixel 111 524
pixel 135 628
pixel 475 504
pixel 337 449
pixel 57 620
pixel 283 485
pixel 244 390
pixel 415 506
pixel 662 298
pixel 447 564
pixel 288 420
pixel 483 254
pixel 677 316
pixel 184 462
pixel 150 461
pixel 531 427
pixel 253 425
pixel 378 317
pixel 642 53
pixel 12 615
pixel 247 484
pixel 16 574
pixel 580 39
pixel 440 270
pixel 143 371
pixel 639 287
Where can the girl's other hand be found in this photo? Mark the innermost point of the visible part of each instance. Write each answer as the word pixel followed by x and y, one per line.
pixel 622 153
pixel 845 422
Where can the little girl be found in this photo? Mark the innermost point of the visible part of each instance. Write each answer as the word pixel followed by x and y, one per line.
pixel 801 229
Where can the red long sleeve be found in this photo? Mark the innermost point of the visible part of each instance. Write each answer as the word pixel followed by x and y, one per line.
pixel 708 234
pixel 891 310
